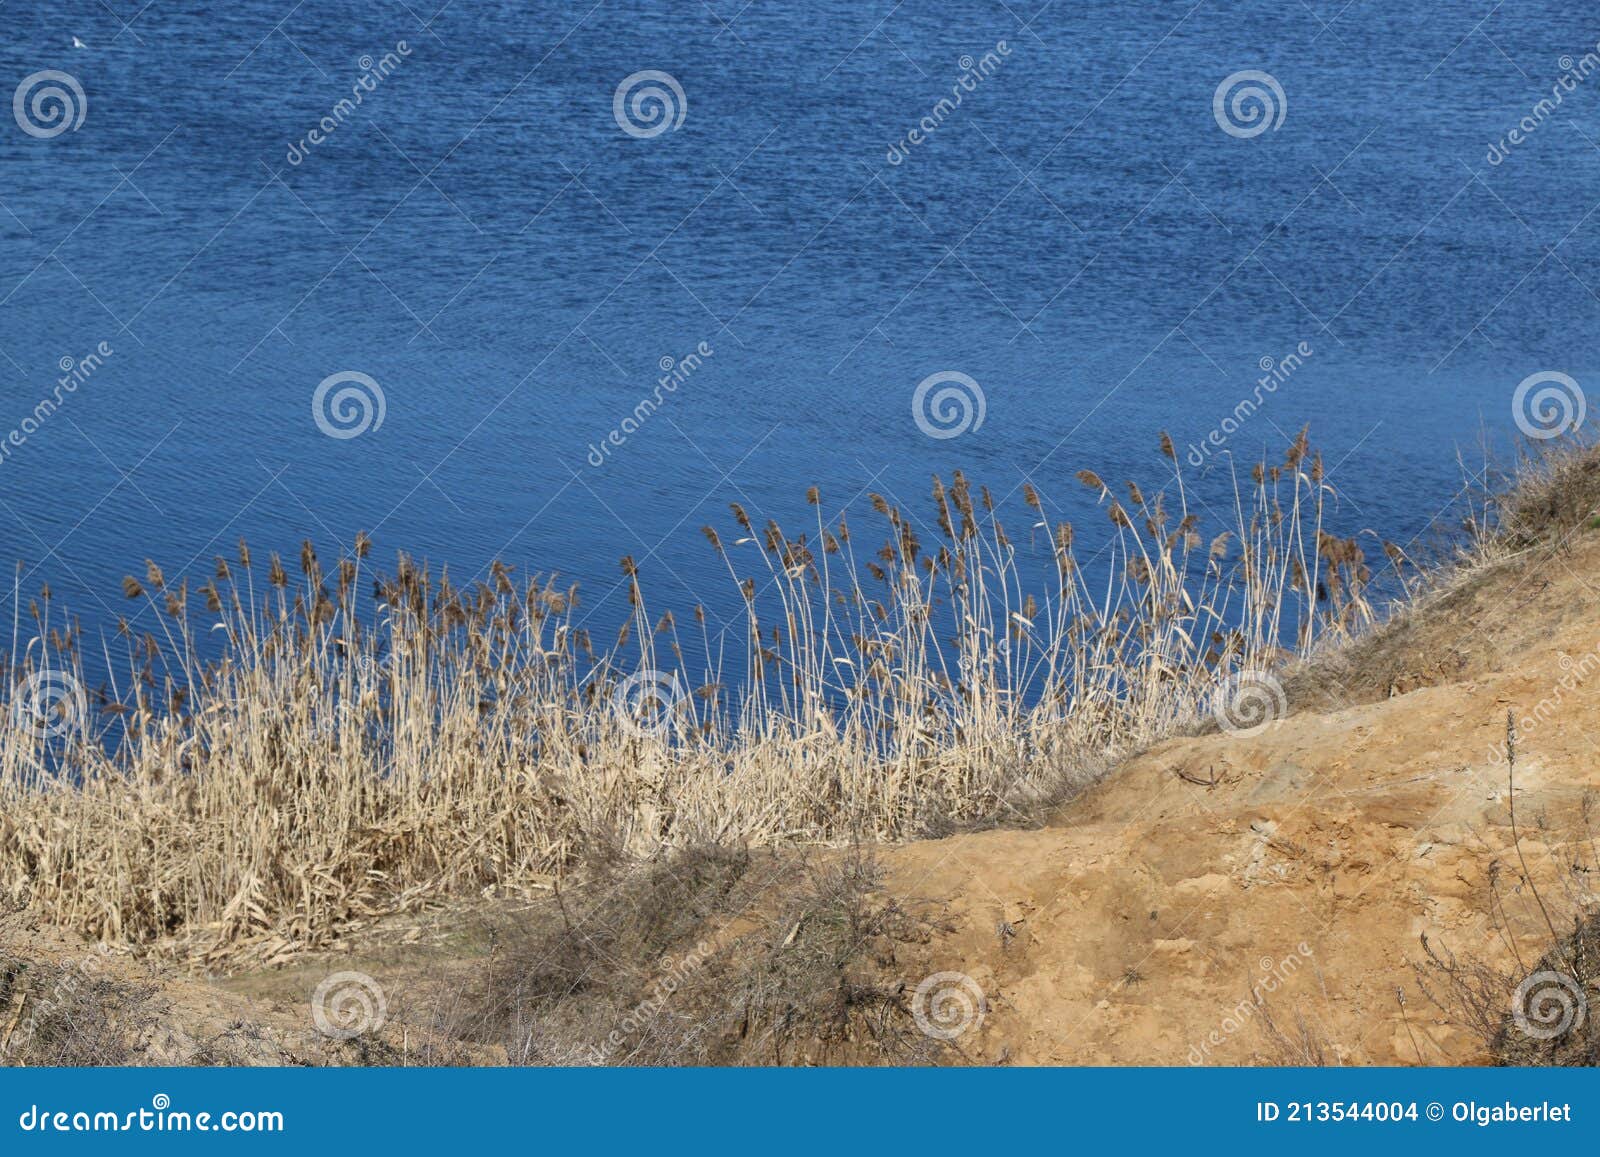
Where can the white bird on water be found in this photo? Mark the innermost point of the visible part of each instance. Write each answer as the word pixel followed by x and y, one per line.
pixel 76 43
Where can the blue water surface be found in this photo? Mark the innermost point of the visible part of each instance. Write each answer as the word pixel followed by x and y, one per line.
pixel 485 240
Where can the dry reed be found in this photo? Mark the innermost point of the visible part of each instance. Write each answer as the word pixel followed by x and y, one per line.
pixel 283 760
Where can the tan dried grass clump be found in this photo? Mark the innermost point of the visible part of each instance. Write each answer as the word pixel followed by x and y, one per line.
pixel 335 762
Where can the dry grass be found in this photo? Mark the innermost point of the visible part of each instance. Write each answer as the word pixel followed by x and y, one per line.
pixel 561 981
pixel 1513 516
pixel 69 1014
pixel 1541 1010
pixel 805 987
pixel 707 957
pixel 281 760
pixel 1300 1042
pixel 1552 490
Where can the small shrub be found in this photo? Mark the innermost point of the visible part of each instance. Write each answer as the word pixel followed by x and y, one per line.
pixel 69 1014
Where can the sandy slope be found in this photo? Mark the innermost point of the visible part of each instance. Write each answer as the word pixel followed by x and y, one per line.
pixel 1146 923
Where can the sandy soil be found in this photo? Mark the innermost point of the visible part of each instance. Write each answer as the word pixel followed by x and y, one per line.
pixel 1154 918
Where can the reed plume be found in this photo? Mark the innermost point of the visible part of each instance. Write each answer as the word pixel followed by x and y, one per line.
pixel 269 768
